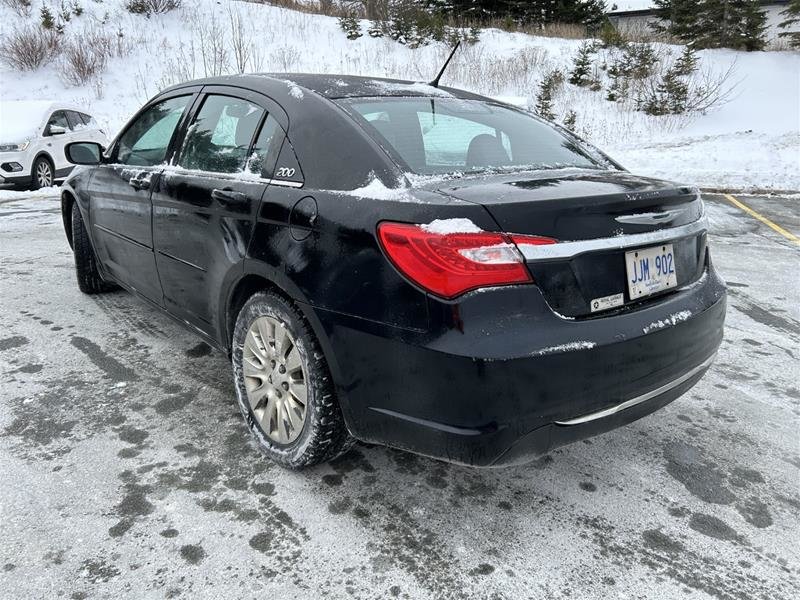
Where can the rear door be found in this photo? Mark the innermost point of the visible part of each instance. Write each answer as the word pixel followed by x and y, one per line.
pixel 205 205
pixel 119 194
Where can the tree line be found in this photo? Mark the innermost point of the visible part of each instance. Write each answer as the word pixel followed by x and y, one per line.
pixel 738 24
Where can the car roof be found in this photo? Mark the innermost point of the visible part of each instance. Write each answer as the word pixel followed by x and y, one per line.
pixel 332 86
pixel 335 153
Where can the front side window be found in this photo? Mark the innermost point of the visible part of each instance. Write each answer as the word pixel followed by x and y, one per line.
pixel 146 141
pixel 219 138
pixel 58 119
pixel 446 135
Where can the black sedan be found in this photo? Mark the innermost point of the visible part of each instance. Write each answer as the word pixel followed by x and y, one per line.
pixel 401 264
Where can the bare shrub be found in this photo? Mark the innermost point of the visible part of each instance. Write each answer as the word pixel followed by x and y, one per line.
pixel 244 51
pixel 28 47
pixel 287 57
pixel 149 7
pixel 698 91
pixel 81 62
pixel 21 7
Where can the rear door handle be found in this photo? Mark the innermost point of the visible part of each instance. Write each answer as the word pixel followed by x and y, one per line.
pixel 229 196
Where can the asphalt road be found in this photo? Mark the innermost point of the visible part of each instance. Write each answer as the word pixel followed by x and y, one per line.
pixel 126 470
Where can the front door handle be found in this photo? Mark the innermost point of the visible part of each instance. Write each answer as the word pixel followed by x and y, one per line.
pixel 140 181
pixel 228 196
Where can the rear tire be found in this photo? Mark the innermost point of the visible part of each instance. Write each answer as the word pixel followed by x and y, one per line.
pixel 42 173
pixel 275 353
pixel 89 279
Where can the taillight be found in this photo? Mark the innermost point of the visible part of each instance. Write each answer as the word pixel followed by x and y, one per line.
pixel 450 263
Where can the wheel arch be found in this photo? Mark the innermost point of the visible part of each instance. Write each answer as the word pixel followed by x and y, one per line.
pixel 45 154
pixel 67 202
pixel 258 277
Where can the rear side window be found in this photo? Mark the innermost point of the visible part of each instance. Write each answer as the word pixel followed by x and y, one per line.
pixel 75 120
pixel 261 160
pixel 146 141
pixel 219 138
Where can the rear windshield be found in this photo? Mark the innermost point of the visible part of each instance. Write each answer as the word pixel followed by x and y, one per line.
pixel 446 135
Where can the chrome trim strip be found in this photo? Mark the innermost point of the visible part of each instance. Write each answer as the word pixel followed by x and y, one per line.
pixel 568 250
pixel 652 218
pixel 282 183
pixel 643 398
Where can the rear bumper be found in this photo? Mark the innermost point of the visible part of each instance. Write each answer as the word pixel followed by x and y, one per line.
pixel 502 380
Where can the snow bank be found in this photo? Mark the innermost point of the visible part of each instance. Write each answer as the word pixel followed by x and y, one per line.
pixel 7 195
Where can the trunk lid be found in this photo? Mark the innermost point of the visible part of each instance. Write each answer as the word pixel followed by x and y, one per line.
pixel 580 205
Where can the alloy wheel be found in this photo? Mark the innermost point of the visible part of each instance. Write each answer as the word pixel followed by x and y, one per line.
pixel 44 174
pixel 275 379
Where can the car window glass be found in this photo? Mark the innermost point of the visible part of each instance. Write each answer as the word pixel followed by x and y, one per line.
pixel 447 139
pixel 75 121
pixel 262 159
pixel 219 138
pixel 145 142
pixel 447 135
pixel 87 119
pixel 59 119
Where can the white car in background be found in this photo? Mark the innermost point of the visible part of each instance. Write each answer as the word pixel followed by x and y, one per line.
pixel 33 135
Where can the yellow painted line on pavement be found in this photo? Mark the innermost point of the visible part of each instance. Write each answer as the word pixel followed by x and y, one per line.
pixel 789 236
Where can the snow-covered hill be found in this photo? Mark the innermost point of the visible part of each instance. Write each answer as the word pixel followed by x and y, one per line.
pixel 752 142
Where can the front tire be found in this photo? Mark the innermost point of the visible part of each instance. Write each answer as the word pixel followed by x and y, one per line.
pixel 89 279
pixel 283 384
pixel 42 173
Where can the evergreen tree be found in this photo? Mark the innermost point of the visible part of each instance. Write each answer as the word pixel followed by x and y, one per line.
pixel 678 18
pixel 581 71
pixel 590 13
pixel 544 99
pixel 686 63
pixel 738 24
pixel 48 21
pixel 570 119
pixel 792 18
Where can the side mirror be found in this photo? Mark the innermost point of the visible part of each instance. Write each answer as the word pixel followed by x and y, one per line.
pixel 56 130
pixel 84 153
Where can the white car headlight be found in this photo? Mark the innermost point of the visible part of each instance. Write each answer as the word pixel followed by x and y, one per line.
pixel 21 147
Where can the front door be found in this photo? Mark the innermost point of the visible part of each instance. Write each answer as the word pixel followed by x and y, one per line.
pixel 204 207
pixel 119 197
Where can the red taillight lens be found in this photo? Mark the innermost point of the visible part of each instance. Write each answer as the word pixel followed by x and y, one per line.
pixel 449 264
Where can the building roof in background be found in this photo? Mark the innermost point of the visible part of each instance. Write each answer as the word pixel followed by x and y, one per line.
pixel 646 6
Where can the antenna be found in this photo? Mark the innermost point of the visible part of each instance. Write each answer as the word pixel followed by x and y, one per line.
pixel 435 82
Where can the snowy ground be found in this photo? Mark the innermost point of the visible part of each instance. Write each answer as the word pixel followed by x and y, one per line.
pixel 126 469
pixel 751 143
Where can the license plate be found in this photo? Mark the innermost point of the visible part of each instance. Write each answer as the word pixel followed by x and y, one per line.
pixel 650 270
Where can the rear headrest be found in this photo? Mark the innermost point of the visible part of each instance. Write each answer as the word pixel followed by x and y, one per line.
pixel 486 151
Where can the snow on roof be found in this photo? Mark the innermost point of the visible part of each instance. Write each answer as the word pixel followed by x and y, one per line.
pixel 622 6
pixel 21 118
